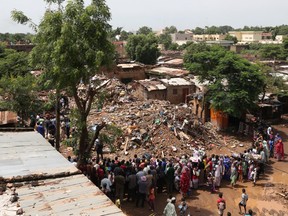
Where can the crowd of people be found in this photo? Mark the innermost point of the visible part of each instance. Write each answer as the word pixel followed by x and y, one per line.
pixel 140 179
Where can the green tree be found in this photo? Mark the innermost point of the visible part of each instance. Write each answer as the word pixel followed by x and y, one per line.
pixel 145 30
pixel 170 30
pixel 272 51
pixel 166 40
pixel 71 46
pixel 19 94
pixel 231 38
pixel 143 48
pixel 13 63
pixel 233 83
pixel 198 30
pixel 124 35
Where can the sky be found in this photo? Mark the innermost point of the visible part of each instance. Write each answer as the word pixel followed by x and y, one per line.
pixel 184 14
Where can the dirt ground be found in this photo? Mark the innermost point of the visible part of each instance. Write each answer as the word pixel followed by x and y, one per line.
pixel 263 198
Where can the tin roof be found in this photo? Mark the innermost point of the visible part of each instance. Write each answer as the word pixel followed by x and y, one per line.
pixel 128 66
pixel 176 61
pixel 27 154
pixel 169 71
pixel 73 195
pixel 152 85
pixel 176 82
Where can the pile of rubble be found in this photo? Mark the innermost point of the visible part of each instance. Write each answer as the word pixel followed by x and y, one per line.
pixel 156 126
pixel 9 204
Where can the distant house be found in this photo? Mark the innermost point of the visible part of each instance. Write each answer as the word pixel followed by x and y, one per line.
pixel 247 36
pixel 174 63
pixel 178 89
pixel 181 38
pixel 209 37
pixel 166 72
pixel 127 72
pixel 150 89
pixel 224 43
pixel 174 90
pixel 280 38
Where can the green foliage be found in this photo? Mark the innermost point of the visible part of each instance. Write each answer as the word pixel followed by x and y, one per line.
pixel 272 51
pixel 234 83
pixel 13 63
pixel 17 37
pixel 124 35
pixel 231 38
pixel 72 44
pixel 213 30
pixel 19 95
pixel 20 17
pixel 145 30
pixel 110 134
pixel 143 48
pixel 170 30
pixel 166 40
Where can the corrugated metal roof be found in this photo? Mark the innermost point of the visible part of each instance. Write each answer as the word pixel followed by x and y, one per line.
pixel 73 195
pixel 152 85
pixel 126 66
pixel 169 71
pixel 175 61
pixel 28 153
pixel 176 82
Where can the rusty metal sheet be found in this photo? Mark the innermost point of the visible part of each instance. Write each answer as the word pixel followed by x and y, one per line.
pixel 73 195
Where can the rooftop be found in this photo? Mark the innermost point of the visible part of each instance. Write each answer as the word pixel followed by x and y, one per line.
pixel 176 82
pixel 152 85
pixel 177 61
pixel 172 72
pixel 56 187
pixel 126 66
pixel 28 153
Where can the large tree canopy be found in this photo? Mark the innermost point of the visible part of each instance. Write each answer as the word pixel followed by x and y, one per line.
pixel 71 45
pixel 233 83
pixel 13 63
pixel 143 48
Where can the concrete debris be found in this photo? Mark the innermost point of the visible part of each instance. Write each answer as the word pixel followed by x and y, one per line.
pixel 153 125
pixel 9 204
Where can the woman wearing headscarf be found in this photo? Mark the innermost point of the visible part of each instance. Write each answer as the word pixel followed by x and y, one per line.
pixel 184 181
pixel 279 150
pixel 234 174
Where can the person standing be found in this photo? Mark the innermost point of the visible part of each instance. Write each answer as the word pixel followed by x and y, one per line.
pixel 170 178
pixel 234 174
pixel 221 204
pixel 142 191
pixel 99 149
pixel 243 202
pixel 151 198
pixel 169 209
pixel 119 182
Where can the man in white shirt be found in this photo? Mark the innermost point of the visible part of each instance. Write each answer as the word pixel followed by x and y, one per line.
pixel 243 201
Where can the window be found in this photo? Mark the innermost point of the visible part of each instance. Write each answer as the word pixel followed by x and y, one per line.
pixel 175 91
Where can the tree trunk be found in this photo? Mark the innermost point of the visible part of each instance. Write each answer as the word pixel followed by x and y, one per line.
pixel 57 144
pixel 83 142
pixel 96 135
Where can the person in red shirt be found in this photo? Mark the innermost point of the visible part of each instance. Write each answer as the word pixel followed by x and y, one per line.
pixel 221 204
